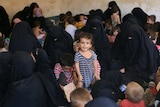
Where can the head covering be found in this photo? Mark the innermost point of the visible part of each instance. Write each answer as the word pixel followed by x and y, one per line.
pixel 22 66
pixel 23 39
pixel 101 102
pixel 58 41
pixel 4 22
pixel 107 13
pixel 140 15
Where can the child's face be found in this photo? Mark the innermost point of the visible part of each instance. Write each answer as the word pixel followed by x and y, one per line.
pixel 150 21
pixel 16 20
pixel 116 13
pixel 85 44
pixel 111 38
pixel 66 68
pixel 115 33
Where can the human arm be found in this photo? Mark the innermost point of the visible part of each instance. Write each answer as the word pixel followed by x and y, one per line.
pixel 96 75
pixel 75 77
pixel 78 71
pixel 57 70
pixel 118 19
pixel 79 82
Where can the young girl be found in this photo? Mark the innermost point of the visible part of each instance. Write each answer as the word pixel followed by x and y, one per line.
pixel 86 61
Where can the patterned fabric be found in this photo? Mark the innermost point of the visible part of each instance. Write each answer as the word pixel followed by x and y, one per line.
pixel 86 67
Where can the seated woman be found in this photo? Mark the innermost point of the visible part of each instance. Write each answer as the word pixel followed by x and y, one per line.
pixel 30 88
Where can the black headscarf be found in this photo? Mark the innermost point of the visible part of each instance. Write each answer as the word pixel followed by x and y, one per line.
pixel 5 27
pixel 23 15
pixel 58 41
pixel 140 15
pixel 107 13
pixel 23 39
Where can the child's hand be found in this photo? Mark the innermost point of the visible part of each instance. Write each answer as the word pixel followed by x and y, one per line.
pixel 79 84
pixel 122 70
pixel 80 78
pixel 96 76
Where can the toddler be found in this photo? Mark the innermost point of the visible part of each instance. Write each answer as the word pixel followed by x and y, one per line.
pixel 64 70
pixel 86 61
pixel 134 96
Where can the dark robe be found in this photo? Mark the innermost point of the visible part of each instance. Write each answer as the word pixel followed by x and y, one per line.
pixel 4 72
pixel 27 88
pixel 23 39
pixel 47 76
pixel 57 42
pixel 109 87
pixel 5 27
pixel 138 53
pixel 24 89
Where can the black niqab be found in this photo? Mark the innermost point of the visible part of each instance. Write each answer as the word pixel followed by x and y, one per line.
pixel 23 39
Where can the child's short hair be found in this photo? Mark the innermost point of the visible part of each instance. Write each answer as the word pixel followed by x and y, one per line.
pixel 152 17
pixel 36 23
pixel 66 59
pixel 79 97
pixel 134 92
pixel 71 20
pixel 85 35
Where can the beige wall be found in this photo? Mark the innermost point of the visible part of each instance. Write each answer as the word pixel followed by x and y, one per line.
pixel 54 7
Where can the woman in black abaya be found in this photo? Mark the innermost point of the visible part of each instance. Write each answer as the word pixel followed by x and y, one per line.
pixel 24 88
pixel 57 42
pixel 45 72
pixel 27 88
pixel 138 53
pixel 23 39
pixel 4 72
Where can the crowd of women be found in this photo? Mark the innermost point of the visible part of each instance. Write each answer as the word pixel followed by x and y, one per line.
pixel 126 49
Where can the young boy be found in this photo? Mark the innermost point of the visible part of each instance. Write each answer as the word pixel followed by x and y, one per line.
pixel 134 96
pixel 64 70
pixel 79 97
pixel 151 19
